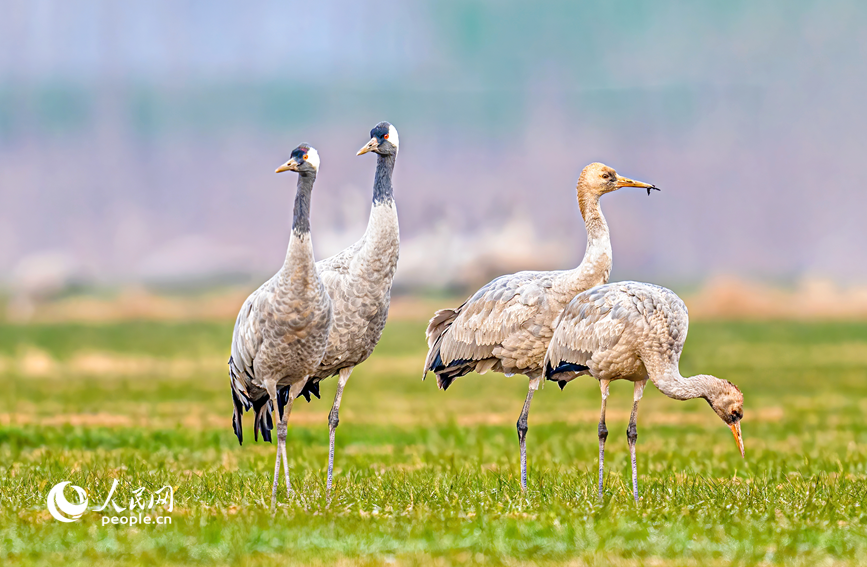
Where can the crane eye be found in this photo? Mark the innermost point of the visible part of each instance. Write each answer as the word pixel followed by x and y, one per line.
pixel 385 137
pixel 305 156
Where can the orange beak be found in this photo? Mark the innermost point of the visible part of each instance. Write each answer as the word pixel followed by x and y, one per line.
pixel 736 430
pixel 626 182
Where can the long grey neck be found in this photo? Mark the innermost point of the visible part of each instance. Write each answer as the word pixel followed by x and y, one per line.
pixel 301 215
pixel 678 387
pixel 382 190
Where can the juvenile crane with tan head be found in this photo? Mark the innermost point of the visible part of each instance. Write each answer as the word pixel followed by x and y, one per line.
pixel 506 326
pixel 282 329
pixel 634 331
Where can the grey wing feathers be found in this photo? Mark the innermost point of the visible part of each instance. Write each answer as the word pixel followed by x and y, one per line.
pixel 464 339
pixel 337 265
pixel 360 305
pixel 592 321
pixel 246 340
pixel 597 319
pixel 439 323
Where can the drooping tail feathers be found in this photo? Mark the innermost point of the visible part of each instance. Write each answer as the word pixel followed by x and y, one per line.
pixel 261 409
pixel 438 324
pixel 446 374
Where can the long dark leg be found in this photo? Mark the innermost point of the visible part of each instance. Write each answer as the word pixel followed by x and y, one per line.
pixel 632 432
pixel 603 433
pixel 522 430
pixel 333 421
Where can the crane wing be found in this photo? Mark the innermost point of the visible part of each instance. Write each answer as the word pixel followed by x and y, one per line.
pixel 246 341
pixel 356 298
pixel 337 266
pixel 464 339
pixel 592 321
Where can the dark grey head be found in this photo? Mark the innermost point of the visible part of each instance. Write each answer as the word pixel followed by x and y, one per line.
pixel 383 140
pixel 303 159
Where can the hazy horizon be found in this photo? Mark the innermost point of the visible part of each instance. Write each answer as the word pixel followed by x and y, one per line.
pixel 138 140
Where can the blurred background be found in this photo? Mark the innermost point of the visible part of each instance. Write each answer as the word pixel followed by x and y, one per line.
pixel 139 207
pixel 138 142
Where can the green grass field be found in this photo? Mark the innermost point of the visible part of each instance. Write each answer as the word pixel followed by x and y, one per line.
pixel 427 477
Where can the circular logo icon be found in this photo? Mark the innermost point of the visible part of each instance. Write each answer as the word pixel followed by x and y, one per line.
pixel 62 509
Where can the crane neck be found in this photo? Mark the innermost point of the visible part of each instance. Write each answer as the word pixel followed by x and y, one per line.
pixel 595 266
pixel 678 387
pixel 299 265
pixel 381 240
pixel 301 214
pixel 383 193
pixel 594 220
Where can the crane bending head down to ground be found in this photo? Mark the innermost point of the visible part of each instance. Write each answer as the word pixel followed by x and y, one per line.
pixel 506 325
pixel 634 331
pixel 282 329
pixel 358 280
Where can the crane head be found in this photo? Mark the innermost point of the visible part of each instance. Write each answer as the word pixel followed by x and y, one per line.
pixel 728 403
pixel 383 140
pixel 599 179
pixel 303 159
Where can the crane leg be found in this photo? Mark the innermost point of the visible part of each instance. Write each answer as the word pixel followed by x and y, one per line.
pixel 272 393
pixel 334 420
pixel 603 433
pixel 522 429
pixel 281 440
pixel 282 426
pixel 632 432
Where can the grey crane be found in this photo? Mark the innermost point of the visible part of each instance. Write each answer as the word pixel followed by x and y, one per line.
pixel 506 325
pixel 282 329
pixel 634 331
pixel 358 279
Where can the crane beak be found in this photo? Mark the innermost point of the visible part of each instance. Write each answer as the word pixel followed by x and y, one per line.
pixel 736 430
pixel 626 182
pixel 370 146
pixel 290 165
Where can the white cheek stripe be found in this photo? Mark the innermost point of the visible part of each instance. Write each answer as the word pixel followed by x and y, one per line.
pixel 313 158
pixel 393 137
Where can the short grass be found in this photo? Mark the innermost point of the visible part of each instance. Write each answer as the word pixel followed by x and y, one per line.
pixel 426 477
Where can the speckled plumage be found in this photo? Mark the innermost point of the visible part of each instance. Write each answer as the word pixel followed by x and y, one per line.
pixel 282 328
pixel 359 279
pixel 506 325
pixel 633 331
pixel 615 330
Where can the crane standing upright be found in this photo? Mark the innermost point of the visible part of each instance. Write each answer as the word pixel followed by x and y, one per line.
pixel 359 279
pixel 282 329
